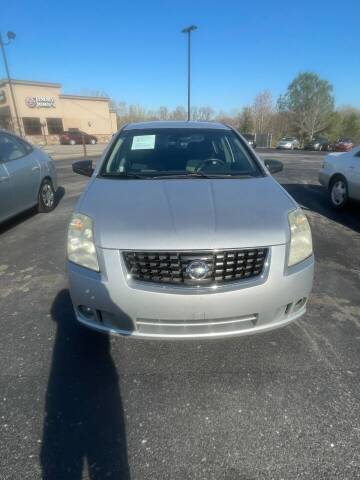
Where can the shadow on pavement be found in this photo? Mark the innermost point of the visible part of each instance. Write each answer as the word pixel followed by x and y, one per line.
pixel 84 419
pixel 315 198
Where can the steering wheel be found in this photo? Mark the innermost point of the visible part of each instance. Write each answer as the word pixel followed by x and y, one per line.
pixel 210 161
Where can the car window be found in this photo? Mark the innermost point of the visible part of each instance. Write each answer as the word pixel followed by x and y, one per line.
pixel 27 146
pixel 11 148
pixel 180 151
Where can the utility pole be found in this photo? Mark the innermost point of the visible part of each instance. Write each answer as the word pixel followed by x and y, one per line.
pixel 188 30
pixel 10 36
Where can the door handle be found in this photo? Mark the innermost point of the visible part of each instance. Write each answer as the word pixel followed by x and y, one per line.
pixel 4 179
pixel 35 168
pixel 351 167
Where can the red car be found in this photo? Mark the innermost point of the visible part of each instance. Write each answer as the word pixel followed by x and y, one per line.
pixel 75 136
pixel 343 145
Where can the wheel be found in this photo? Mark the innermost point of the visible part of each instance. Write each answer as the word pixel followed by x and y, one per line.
pixel 339 192
pixel 46 197
pixel 72 142
pixel 93 141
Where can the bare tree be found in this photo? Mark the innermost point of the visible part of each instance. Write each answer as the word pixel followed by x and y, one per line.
pixel 262 111
pixel 163 113
pixel 179 113
pixel 206 113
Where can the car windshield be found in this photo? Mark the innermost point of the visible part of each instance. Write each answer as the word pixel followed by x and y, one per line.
pixel 173 152
pixel 288 139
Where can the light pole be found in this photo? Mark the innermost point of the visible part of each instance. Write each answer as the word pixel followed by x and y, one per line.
pixel 10 36
pixel 188 30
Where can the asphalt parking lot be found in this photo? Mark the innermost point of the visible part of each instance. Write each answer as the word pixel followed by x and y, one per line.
pixel 79 405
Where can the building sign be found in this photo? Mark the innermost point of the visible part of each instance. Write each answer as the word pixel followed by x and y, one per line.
pixel 40 102
pixel 2 96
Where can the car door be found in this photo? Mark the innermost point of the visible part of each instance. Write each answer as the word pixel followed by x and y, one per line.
pixel 23 170
pixel 6 206
pixel 353 175
pixel 78 138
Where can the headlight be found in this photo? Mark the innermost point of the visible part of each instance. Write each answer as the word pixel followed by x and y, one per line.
pixel 80 245
pixel 300 237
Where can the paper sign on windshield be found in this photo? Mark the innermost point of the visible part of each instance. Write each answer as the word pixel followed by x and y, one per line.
pixel 143 142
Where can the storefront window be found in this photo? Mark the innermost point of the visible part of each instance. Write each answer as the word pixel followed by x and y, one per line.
pixel 55 126
pixel 32 126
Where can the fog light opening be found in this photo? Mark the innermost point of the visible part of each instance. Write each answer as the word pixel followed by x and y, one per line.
pixel 288 308
pixel 87 312
pixel 300 303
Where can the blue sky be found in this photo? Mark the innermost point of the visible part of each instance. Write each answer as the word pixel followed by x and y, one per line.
pixel 134 51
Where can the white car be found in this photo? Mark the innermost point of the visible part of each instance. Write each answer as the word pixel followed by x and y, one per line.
pixel 340 174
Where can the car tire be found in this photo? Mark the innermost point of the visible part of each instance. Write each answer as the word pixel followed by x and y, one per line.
pixel 72 142
pixel 339 193
pixel 93 141
pixel 46 196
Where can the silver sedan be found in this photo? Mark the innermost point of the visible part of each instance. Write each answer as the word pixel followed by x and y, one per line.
pixel 288 143
pixel 27 177
pixel 182 232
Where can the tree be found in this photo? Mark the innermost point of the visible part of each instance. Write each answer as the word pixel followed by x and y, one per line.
pixel 179 113
pixel 310 100
pixel 262 111
pixel 206 114
pixel 350 126
pixel 223 117
pixel 194 113
pixel 246 120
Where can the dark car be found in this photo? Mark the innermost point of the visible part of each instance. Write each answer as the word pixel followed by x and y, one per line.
pixel 250 138
pixel 75 137
pixel 320 144
pixel 343 145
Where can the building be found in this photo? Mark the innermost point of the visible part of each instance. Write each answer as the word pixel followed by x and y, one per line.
pixel 44 112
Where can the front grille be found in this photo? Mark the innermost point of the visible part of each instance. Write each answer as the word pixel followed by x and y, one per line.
pixel 218 267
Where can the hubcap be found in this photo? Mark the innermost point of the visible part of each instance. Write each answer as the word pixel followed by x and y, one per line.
pixel 338 192
pixel 47 195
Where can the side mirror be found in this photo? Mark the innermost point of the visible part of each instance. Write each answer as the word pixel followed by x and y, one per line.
pixel 83 167
pixel 274 166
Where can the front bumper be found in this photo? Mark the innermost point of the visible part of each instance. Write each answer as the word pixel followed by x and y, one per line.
pixel 123 306
pixel 284 147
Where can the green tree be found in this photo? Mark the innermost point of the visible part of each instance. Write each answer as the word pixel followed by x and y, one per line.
pixel 310 99
pixel 351 126
pixel 246 120
pixel 345 123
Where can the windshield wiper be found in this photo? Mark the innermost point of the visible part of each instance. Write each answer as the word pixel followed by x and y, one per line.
pixel 165 176
pixel 126 175
pixel 182 175
pixel 203 175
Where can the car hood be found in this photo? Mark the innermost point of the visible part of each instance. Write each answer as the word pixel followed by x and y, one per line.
pixel 181 214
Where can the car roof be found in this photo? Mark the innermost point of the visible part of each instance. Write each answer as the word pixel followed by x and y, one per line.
pixel 2 130
pixel 176 124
